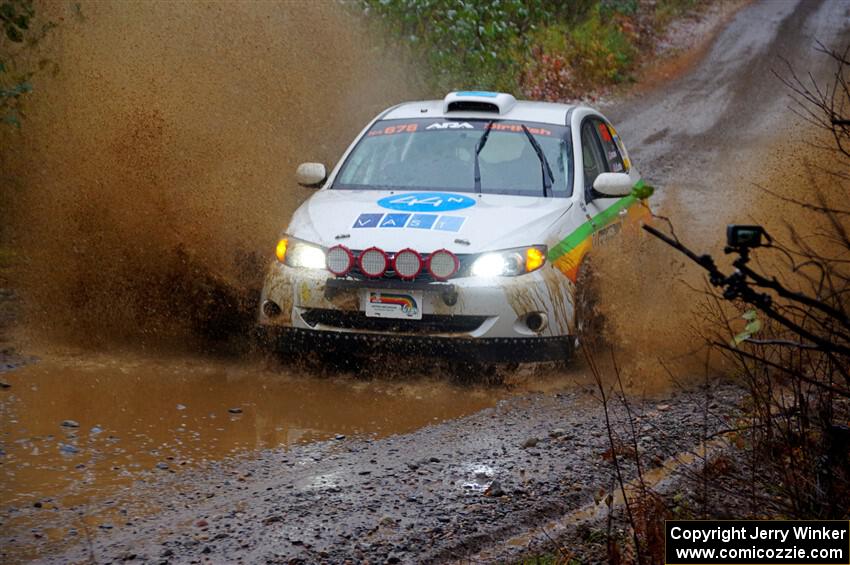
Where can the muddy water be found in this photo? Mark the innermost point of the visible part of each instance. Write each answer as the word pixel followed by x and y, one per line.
pixel 129 418
pixel 135 414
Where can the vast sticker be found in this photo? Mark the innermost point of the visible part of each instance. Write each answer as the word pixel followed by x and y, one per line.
pixel 367 220
pixel 449 223
pixel 414 221
pixel 422 221
pixel 426 202
pixel 394 220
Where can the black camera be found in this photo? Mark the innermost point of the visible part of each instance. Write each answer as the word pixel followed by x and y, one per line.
pixel 745 237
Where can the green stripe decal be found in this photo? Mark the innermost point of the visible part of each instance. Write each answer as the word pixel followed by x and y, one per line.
pixel 598 222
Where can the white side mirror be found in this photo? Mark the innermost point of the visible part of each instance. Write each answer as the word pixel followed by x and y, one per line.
pixel 613 184
pixel 310 174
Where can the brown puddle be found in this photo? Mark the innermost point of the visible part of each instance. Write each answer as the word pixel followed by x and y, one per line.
pixel 140 418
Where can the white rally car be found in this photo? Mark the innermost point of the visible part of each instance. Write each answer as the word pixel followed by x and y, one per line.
pixel 459 224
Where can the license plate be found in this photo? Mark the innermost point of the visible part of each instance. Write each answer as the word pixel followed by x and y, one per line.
pixel 404 304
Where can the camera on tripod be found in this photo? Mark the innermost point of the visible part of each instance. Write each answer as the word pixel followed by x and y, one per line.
pixel 739 238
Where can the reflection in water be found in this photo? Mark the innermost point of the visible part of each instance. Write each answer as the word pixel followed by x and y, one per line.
pixel 73 432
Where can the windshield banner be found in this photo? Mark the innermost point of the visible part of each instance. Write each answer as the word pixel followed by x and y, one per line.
pixel 393 127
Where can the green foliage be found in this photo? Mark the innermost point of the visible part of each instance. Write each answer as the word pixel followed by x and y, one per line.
pixel 470 43
pixel 612 7
pixel 667 10
pixel 602 48
pixel 572 59
pixel 753 327
pixel 20 34
pixel 549 49
pixel 15 16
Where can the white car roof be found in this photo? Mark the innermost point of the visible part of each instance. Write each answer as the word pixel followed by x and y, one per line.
pixel 523 110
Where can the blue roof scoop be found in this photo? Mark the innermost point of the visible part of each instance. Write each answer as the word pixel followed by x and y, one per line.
pixel 478 101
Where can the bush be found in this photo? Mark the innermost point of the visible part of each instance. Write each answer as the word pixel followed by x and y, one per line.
pixel 20 33
pixel 568 62
pixel 542 49
pixel 466 43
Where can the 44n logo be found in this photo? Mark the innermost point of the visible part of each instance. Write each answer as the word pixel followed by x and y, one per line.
pixel 427 202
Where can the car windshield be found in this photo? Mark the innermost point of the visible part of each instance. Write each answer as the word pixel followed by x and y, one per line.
pixel 439 154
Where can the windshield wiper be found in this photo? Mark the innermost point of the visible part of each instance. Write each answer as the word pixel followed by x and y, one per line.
pixel 545 169
pixel 478 147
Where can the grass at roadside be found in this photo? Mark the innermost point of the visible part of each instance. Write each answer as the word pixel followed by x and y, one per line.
pixel 543 49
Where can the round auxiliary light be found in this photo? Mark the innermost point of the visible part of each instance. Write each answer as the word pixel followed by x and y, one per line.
pixel 339 260
pixel 442 264
pixel 373 262
pixel 407 263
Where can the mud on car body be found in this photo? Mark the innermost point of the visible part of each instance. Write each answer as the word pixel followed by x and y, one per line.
pixel 459 224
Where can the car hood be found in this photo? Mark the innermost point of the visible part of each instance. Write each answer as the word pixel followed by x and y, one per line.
pixel 425 221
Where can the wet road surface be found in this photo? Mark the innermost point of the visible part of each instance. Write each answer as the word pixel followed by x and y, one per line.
pixel 707 136
pixel 436 494
pixel 75 431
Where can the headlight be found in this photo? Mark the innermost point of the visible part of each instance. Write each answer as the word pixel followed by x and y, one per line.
pixel 509 263
pixel 296 253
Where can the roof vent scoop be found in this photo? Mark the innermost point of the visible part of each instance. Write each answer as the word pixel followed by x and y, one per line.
pixel 478 101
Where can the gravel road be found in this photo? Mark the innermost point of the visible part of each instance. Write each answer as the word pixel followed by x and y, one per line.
pixel 440 493
pixel 704 137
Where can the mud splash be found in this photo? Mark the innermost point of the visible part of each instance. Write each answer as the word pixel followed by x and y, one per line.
pixel 658 315
pixel 648 313
pixel 154 172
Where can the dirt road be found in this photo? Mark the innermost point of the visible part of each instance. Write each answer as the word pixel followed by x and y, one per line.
pixel 707 136
pixel 449 490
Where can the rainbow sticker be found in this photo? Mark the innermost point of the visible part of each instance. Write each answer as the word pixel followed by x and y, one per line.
pixel 383 304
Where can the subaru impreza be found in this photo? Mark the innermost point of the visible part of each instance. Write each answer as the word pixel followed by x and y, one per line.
pixel 459 224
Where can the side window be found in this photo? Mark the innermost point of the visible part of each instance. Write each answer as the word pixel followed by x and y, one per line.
pixel 594 163
pixel 609 146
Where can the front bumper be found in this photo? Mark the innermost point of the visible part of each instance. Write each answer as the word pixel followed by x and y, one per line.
pixel 468 308
pixel 295 341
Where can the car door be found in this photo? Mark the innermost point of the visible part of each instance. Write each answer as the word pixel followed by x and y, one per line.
pixel 600 154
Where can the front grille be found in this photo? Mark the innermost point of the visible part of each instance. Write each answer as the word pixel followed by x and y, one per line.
pixel 429 324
